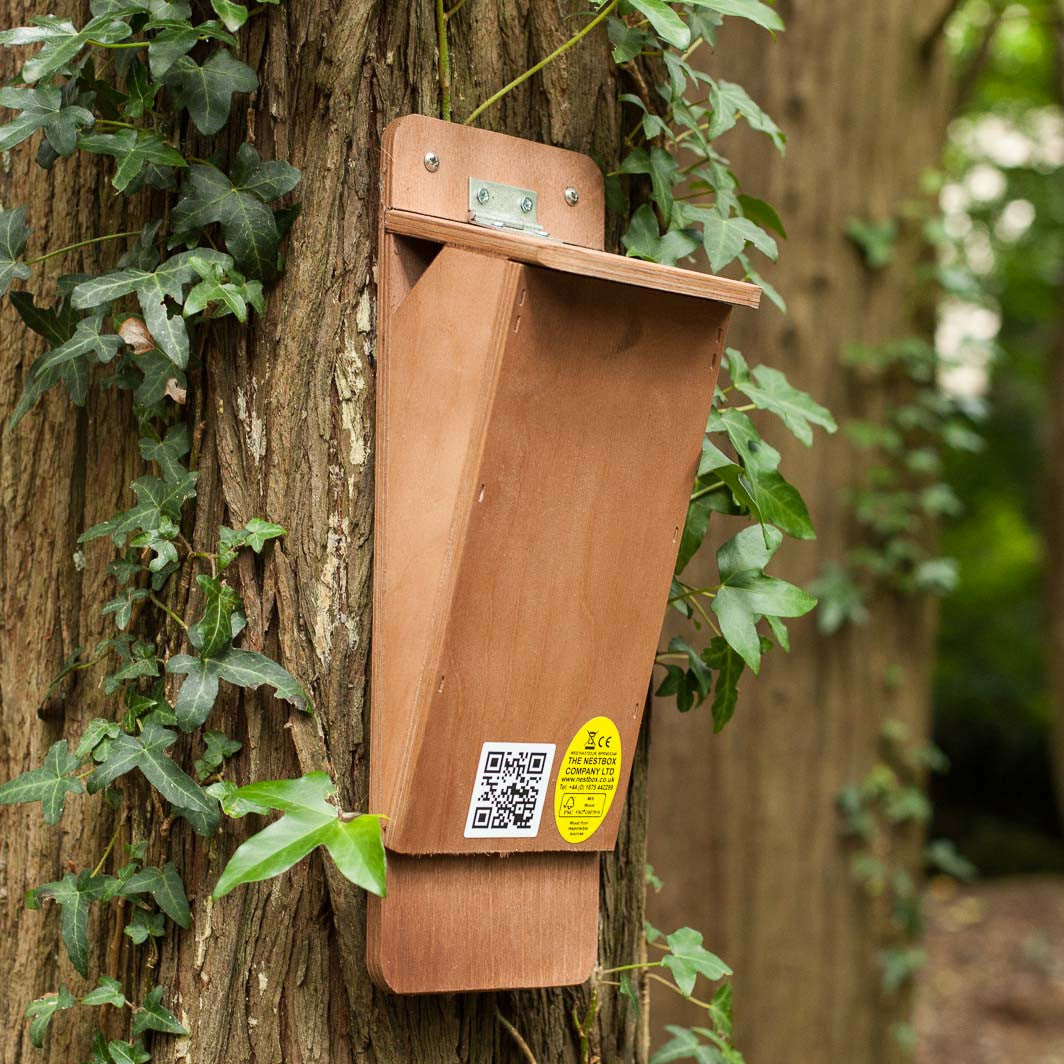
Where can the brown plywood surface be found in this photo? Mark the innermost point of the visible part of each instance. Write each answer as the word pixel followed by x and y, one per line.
pixel 479 923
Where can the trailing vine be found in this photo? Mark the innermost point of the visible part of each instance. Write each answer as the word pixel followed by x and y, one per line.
pixel 137 83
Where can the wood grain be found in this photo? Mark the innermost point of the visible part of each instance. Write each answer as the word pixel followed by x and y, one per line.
pixel 566 258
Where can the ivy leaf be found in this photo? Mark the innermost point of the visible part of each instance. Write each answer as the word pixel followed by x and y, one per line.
pixel 61 41
pixel 662 167
pixel 48 784
pixel 729 102
pixel 233 15
pixel 144 926
pixel 729 667
pixel 154 1016
pixel 198 692
pixel 310 820
pixel 157 501
pixel 168 280
pixel 97 731
pixel 108 991
pixel 688 958
pixel 643 240
pixel 132 150
pixel 168 452
pixel 724 238
pixel 227 290
pixel 248 668
pixel 44 109
pixel 667 24
pixel 56 324
pixel 231 801
pixel 43 1009
pixel 13 236
pixel 140 92
pixel 206 92
pixel 74 894
pixel 685 1044
pixel 165 887
pixel 219 747
pixel 249 227
pixel 128 1053
pixel 770 390
pixel 214 630
pixel 254 534
pixel 147 753
pixel 754 10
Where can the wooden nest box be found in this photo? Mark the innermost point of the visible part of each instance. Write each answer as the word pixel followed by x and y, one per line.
pixel 540 407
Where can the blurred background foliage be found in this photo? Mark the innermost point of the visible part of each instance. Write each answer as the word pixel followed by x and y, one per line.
pixel 1002 198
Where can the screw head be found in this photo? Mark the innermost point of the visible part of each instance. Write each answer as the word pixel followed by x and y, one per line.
pixel 527 204
pixel 572 196
pixel 432 162
pixel 483 195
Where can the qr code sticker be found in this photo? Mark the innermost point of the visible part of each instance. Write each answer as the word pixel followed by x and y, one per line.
pixel 509 790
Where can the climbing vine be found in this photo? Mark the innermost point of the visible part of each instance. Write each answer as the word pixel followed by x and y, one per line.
pixel 143 83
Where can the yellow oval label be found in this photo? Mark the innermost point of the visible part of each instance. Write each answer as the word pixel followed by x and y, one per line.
pixel 587 779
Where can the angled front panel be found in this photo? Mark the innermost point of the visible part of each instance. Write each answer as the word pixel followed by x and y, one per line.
pixel 565 531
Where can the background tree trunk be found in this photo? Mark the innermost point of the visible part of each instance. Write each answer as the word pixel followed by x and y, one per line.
pixel 749 847
pixel 284 417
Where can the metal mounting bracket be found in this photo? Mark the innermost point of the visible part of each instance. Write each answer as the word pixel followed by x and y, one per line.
pixel 497 206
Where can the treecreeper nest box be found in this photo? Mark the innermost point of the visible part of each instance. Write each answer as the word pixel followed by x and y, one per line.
pixel 540 406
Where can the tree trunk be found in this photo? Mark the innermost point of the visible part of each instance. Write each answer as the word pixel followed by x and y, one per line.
pixel 749 848
pixel 275 971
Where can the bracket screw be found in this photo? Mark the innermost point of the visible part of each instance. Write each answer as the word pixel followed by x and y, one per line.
pixel 483 195
pixel 432 162
pixel 527 204
pixel 572 197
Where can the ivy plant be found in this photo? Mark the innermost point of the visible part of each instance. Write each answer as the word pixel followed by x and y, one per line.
pixel 136 85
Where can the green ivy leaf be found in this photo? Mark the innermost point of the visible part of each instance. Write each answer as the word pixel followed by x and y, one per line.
pixel 43 1009
pixel 198 692
pixel 667 23
pixel 770 390
pixel 143 926
pixel 165 887
pixel 662 167
pixel 254 534
pixel 688 958
pixel 74 894
pixel 97 731
pixel 168 452
pixel 48 784
pixel 643 239
pixel 60 41
pixel 219 747
pixel 147 753
pixel 685 1044
pixel 753 10
pixel 154 1016
pixel 132 150
pixel 13 236
pixel 214 630
pixel 232 802
pixel 729 102
pixel 156 501
pixel 43 109
pixel 724 238
pixel 239 204
pixel 108 991
pixel 248 668
pixel 728 664
pixel 128 1053
pixel 310 820
pixel 206 91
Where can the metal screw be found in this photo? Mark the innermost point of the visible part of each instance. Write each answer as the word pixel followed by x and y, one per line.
pixel 572 197
pixel 527 204
pixel 432 162
pixel 483 195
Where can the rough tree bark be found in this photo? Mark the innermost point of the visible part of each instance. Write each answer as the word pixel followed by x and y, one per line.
pixel 750 848
pixel 274 972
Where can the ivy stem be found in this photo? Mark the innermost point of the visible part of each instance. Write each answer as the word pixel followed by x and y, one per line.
pixel 716 486
pixel 674 987
pixel 515 1034
pixel 691 592
pixel 82 244
pixel 110 846
pixel 454 10
pixel 560 50
pixel 116 124
pixel 445 62
pixel 169 612
pixel 630 967
pixel 117 44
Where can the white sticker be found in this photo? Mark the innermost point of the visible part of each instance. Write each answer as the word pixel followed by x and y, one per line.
pixel 509 790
